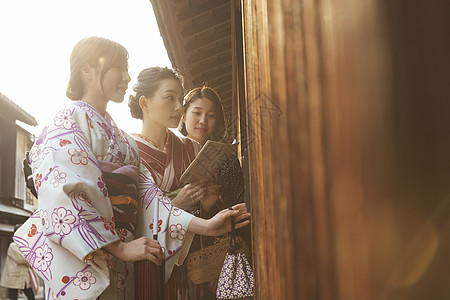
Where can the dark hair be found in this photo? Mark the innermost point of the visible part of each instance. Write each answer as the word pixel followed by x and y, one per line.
pixel 148 83
pixel 219 132
pixel 95 51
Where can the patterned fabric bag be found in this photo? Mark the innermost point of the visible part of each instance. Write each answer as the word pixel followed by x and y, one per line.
pixel 205 264
pixel 236 276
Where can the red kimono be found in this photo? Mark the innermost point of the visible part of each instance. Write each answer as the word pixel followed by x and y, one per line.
pixel 166 168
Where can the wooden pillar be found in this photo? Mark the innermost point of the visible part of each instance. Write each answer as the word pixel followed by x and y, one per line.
pixel 347 107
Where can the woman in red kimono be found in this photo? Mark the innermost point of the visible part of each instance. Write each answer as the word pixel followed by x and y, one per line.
pixel 158 102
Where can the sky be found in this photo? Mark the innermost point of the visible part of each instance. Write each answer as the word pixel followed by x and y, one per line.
pixel 37 37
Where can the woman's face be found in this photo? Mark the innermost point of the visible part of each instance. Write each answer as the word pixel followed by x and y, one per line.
pixel 164 108
pixel 200 119
pixel 115 83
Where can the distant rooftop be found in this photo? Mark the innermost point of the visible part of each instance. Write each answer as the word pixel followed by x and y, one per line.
pixel 8 106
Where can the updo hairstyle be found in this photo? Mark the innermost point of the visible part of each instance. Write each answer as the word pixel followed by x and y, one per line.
pixel 95 51
pixel 219 132
pixel 148 83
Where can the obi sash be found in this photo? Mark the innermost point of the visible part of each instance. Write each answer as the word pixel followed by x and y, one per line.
pixel 121 183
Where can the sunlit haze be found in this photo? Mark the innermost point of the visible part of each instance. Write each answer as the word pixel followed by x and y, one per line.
pixel 36 39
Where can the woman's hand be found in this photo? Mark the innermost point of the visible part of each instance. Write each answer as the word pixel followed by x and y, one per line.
pixel 221 222
pixel 191 194
pixel 142 248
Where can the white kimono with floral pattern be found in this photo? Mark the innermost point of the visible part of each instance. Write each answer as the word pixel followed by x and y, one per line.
pixel 62 240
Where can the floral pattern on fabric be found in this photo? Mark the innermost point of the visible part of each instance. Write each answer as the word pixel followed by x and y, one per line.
pixel 151 197
pixel 32 231
pixel 102 186
pixel 62 240
pixel 64 119
pixel 121 281
pixel 177 232
pixel 84 280
pixel 43 258
pixel 236 278
pixel 78 156
pixel 109 225
pixel 62 221
pixel 159 225
pixel 58 178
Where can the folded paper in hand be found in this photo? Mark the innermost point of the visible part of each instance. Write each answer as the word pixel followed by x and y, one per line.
pixel 208 161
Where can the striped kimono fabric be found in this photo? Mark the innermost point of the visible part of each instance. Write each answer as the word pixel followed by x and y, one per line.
pixel 166 169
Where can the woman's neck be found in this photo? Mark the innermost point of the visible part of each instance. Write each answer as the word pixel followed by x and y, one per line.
pixel 156 134
pixel 96 102
pixel 197 140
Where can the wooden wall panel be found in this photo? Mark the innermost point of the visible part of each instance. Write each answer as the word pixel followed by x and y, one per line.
pixel 290 213
pixel 347 112
pixel 264 251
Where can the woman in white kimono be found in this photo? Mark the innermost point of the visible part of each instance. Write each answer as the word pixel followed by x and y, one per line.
pixel 91 187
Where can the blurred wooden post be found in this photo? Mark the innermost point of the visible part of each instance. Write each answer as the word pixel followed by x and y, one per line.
pixel 347 107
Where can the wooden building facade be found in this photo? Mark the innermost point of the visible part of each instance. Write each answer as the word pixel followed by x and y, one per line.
pixel 16 201
pixel 342 111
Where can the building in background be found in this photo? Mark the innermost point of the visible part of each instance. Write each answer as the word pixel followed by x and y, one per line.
pixel 16 201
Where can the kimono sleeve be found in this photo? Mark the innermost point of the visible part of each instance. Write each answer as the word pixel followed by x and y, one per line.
pixel 73 201
pixel 63 238
pixel 172 222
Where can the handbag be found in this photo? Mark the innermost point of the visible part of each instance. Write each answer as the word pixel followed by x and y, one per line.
pixel 236 276
pixel 205 264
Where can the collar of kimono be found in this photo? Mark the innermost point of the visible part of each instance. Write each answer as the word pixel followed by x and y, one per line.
pixel 154 144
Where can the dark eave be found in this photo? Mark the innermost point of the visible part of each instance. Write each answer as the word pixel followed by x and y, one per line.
pixel 197 36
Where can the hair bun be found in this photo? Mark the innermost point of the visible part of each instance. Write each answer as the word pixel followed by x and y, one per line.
pixel 135 109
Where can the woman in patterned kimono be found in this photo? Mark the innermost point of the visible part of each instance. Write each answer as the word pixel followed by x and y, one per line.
pixel 92 188
pixel 203 120
pixel 158 102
